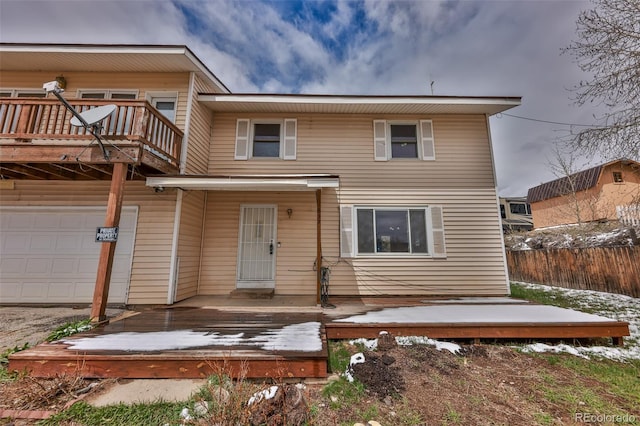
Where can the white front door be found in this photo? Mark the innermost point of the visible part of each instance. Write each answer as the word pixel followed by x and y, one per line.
pixel 257 247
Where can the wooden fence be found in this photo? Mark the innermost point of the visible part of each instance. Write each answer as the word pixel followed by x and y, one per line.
pixel 609 269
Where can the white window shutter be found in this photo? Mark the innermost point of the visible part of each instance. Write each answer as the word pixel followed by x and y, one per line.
pixel 437 232
pixel 380 140
pixel 290 136
pixel 427 141
pixel 242 139
pixel 346 231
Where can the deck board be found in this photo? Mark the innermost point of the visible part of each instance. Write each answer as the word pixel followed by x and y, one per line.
pixel 197 342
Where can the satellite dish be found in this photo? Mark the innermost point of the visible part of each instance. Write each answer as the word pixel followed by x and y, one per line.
pixel 94 115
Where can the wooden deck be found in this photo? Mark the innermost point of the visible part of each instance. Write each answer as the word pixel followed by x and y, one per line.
pixel 284 342
pixel 188 343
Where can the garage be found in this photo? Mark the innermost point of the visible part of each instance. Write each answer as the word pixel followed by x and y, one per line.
pixel 49 254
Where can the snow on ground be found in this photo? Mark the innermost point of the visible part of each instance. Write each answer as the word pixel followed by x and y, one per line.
pixel 304 337
pixel 372 344
pixel 611 305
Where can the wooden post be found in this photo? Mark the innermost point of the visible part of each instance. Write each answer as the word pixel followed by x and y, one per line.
pixel 103 278
pixel 318 246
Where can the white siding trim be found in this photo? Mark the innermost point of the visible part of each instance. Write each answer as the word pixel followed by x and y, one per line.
pixel 184 149
pixel 427 140
pixel 290 131
pixel 173 265
pixel 243 130
pixel 495 179
pixel 346 231
pixel 381 148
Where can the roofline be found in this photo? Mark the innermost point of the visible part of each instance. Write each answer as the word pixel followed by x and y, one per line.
pixel 625 161
pixel 116 48
pixel 360 99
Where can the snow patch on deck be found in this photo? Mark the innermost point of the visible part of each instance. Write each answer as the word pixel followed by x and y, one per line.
pixel 303 337
pixel 468 313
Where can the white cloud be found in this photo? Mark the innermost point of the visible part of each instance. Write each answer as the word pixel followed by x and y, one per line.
pixel 509 48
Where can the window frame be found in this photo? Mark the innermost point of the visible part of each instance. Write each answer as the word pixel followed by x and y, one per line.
pixel 428 232
pixel 252 130
pixel 416 124
pixel 108 93
pixel 154 97
pixel 617 177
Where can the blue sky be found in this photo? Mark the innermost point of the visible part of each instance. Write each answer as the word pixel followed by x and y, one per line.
pixel 466 48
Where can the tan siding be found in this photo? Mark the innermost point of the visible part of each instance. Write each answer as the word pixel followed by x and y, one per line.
pixel 461 180
pixel 297 235
pixel 142 82
pixel 343 145
pixel 152 250
pixel 199 129
pixel 190 243
pixel 474 263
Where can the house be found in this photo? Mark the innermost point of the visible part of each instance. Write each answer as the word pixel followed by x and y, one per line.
pixel 587 196
pixel 218 192
pixel 515 213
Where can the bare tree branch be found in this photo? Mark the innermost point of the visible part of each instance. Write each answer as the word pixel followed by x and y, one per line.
pixel 608 48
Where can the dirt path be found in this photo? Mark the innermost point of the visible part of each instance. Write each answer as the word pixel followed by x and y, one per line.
pixel 20 325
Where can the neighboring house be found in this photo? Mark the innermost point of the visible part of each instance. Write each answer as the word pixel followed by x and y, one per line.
pixel 395 195
pixel 515 213
pixel 586 196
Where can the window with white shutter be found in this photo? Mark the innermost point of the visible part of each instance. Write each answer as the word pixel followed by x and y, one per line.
pixel 380 140
pixel 290 135
pixel 403 140
pixel 392 231
pixel 346 231
pixel 427 142
pixel 437 230
pixel 242 139
pixel 269 139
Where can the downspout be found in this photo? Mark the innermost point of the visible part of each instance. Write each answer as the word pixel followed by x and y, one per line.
pixel 495 180
pixel 318 246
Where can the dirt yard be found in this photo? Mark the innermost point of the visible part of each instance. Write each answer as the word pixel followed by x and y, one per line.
pixel 20 325
pixel 486 385
pixel 410 385
pixel 419 385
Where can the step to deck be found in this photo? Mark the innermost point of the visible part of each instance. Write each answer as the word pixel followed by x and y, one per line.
pixel 252 293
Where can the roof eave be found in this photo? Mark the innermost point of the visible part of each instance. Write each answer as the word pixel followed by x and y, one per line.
pixel 349 103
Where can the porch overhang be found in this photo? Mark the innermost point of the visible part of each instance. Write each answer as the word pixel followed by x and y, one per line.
pixel 246 183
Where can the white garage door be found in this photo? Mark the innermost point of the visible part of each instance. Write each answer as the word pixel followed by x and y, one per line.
pixel 49 255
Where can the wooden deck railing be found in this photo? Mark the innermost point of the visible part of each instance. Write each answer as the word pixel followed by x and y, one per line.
pixel 30 119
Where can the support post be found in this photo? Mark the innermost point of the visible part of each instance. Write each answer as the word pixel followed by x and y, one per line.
pixel 318 245
pixel 105 264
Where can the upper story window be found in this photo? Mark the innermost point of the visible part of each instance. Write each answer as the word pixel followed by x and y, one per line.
pixel 398 139
pixel 617 177
pixel 266 140
pixel 275 139
pixel 404 140
pixel 165 103
pixel 108 94
pixel 24 93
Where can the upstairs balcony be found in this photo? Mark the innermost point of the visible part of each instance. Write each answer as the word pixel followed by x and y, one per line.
pixel 37 140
